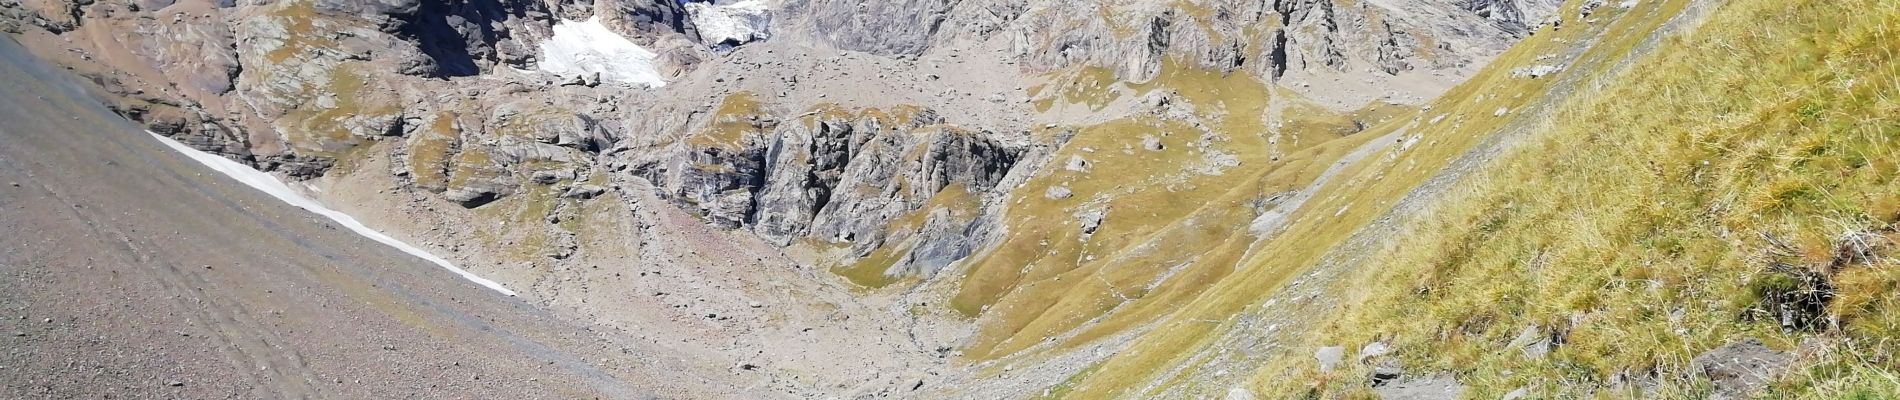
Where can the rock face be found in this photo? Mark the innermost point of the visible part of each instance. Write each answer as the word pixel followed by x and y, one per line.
pixel 1512 15
pixel 1133 38
pixel 291 86
pixel 731 24
pixel 833 175
pixel 898 27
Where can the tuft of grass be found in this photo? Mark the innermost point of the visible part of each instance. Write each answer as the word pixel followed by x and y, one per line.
pixel 872 271
pixel 431 150
pixel 734 122
pixel 1094 87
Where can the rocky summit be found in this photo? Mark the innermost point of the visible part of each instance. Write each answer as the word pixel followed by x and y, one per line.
pixel 981 199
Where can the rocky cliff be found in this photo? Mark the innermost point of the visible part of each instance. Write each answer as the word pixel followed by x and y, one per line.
pixel 1267 37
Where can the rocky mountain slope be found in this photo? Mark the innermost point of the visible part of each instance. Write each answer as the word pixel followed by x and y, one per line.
pixel 973 198
pixel 122 281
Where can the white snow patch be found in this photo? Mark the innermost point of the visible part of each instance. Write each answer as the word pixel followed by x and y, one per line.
pixel 731 22
pixel 586 48
pixel 270 185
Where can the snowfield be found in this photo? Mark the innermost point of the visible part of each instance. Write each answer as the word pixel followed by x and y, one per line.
pixel 585 48
pixel 275 188
pixel 730 22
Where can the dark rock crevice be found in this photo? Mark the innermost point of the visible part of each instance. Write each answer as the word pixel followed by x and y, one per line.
pixel 461 36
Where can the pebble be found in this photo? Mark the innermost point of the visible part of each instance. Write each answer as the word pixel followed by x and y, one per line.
pixel 13 184
pixel 175 384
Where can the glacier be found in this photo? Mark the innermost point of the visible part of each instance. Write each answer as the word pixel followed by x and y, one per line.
pixel 588 47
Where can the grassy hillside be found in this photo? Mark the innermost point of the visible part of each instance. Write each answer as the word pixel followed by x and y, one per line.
pixel 1608 227
pixel 1665 215
pixel 1175 196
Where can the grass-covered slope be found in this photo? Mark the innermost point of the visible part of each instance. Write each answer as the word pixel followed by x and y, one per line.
pixel 1744 165
pixel 1607 218
pixel 1133 216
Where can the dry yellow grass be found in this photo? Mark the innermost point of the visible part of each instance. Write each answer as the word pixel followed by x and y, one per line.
pixel 1172 228
pixel 1363 192
pixel 431 150
pixel 734 122
pixel 1637 225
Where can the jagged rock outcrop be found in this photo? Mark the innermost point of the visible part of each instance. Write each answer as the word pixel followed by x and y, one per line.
pixel 833 175
pixel 465 38
pixel 895 27
pixel 809 156
pixel 1133 38
pixel 291 86
pixel 731 23
pixel 476 156
pixel 896 174
pixel 1516 16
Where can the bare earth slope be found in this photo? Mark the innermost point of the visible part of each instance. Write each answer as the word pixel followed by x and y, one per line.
pixel 130 270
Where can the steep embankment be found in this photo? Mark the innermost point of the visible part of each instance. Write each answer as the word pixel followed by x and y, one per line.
pixel 1740 185
pixel 1257 328
pixel 130 269
pixel 1241 299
